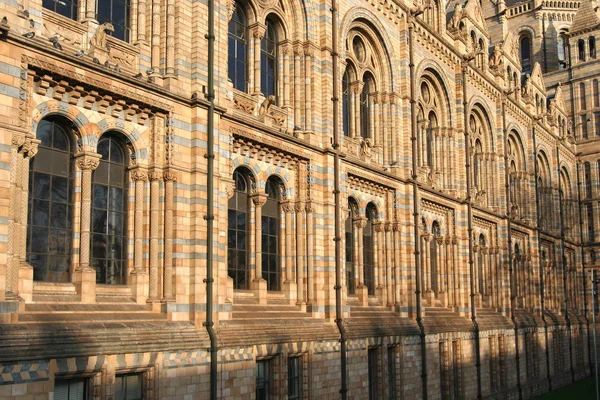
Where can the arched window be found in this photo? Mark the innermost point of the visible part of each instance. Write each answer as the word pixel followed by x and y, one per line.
pixel 271 228
pixel 481 265
pixel 587 176
pixel 237 50
pixel 592 46
pixel 581 50
pixel 67 8
pixel 477 164
pixel 431 127
pixel 268 61
pixel 582 101
pixel 525 51
pixel 349 236
pixel 346 103
pixel 238 236
pixel 50 202
pixel 561 47
pixel 595 92
pixel 109 212
pixel 368 249
pixel 117 13
pixel 365 106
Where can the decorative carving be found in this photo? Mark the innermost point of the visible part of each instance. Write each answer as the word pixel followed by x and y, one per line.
pixel 18 140
pixel 87 161
pixel 155 176
pixel 61 34
pixel 259 199
pixel 170 176
pixel 98 41
pixel 139 175
pixel 243 104
pixel 456 17
pixel 266 105
pixel 30 148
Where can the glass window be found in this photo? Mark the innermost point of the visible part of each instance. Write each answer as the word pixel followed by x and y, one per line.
pixel 346 103
pixel 70 389
pixel 262 380
pixel 109 212
pixel 391 358
pixel 373 373
pixel 582 96
pixel 67 8
pixel 368 247
pixel 50 203
pixel 237 42
pixel 349 230
pixel 365 106
pixel 115 12
pixel 596 93
pixel 268 61
pixel 525 44
pixel 592 44
pixel 294 378
pixel 581 50
pixel 584 128
pixel 129 387
pixel 238 218
pixel 561 44
pixel 271 227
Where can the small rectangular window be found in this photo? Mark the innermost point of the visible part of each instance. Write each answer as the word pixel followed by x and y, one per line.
pixel 70 389
pixel 262 379
pixel 129 387
pixel 373 374
pixel 294 378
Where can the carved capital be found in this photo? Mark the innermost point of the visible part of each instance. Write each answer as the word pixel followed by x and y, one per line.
pixel 18 140
pixel 29 148
pixel 360 223
pixel 170 176
pixel 259 199
pixel 139 175
pixel 155 176
pixel 87 160
pixel 288 207
pixel 379 227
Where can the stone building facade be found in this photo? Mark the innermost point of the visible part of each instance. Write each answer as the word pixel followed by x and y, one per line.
pixel 470 173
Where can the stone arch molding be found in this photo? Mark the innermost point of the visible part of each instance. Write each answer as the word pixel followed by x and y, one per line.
pixel 363 199
pixel 89 132
pixel 435 67
pixel 262 171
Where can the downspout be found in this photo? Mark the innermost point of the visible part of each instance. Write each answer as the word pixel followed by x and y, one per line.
pixel 562 250
pixel 470 229
pixel 513 317
pixel 539 227
pixel 585 304
pixel 210 216
pixel 416 212
pixel 339 320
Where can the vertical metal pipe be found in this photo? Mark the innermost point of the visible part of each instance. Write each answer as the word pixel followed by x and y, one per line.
pixel 594 322
pixel 210 216
pixel 414 139
pixel 470 229
pixel 538 220
pixel 562 249
pixel 585 304
pixel 337 201
pixel 510 261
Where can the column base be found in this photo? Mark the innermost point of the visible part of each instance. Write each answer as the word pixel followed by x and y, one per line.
pixel 362 292
pixel 382 295
pixel 291 290
pixel 25 282
pixel 138 281
pixel 259 287
pixel 429 296
pixel 84 280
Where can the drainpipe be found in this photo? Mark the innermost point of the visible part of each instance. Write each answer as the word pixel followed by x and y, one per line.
pixel 539 227
pixel 470 229
pixel 415 186
pixel 510 260
pixel 562 245
pixel 585 304
pixel 339 320
pixel 210 216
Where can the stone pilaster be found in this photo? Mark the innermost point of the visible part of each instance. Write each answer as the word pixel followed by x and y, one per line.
pixel 139 276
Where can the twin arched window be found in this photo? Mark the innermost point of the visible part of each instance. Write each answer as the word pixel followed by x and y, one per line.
pixel 51 206
pixel 237 48
pixel 115 12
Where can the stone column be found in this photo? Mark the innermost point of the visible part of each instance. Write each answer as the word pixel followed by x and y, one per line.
pixel 90 11
pixel 448 267
pixel 258 32
pixel 439 241
pixel 384 132
pixel 286 52
pixel 258 284
pixel 139 276
pixel 455 279
pixel 25 273
pixel 309 53
pixel 397 242
pixel 377 270
pixel 170 179
pixel 310 226
pixel 12 255
pixel 300 252
pixel 392 279
pixel 154 289
pixel 170 70
pixel 362 291
pixel 289 284
pixel 298 51
pixel 356 88
pixel 156 33
pixel 141 21
pixel 84 277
